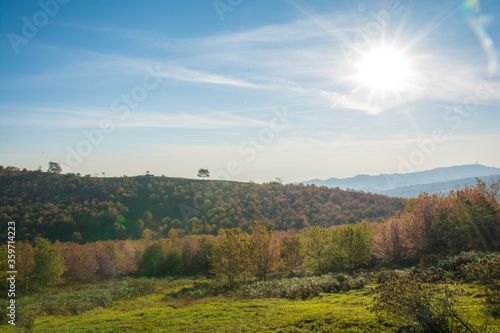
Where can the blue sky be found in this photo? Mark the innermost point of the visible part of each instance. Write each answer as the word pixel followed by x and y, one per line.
pixel 251 90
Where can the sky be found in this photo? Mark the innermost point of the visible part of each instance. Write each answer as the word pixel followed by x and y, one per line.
pixel 250 90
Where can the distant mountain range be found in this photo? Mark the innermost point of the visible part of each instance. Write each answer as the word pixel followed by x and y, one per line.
pixel 412 184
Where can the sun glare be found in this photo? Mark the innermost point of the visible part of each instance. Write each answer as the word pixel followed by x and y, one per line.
pixel 384 70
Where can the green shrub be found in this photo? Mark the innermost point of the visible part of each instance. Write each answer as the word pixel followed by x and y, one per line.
pixel 303 288
pixel 487 273
pixel 455 264
pixel 28 308
pixel 387 275
pixel 200 290
pixel 161 258
pixel 3 309
pixel 292 288
pixel 424 307
pixel 77 301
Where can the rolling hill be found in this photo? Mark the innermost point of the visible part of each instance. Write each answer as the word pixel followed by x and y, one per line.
pixel 83 208
pixel 437 187
pixel 411 184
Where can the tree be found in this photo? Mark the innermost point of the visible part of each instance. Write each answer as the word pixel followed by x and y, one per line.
pixel 49 263
pixel 392 241
pixel 76 237
pixel 277 181
pixel 25 264
pixel 138 226
pixel 113 260
pixel 195 250
pixel 263 252
pixel 161 258
pixel 291 254
pixel 229 258
pixel 203 173
pixel 147 234
pixel 119 231
pixel 317 249
pixel 351 246
pixel 80 260
pixel 54 167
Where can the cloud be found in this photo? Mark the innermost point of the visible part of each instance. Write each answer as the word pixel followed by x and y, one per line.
pixel 185 74
pixel 300 62
pixel 90 118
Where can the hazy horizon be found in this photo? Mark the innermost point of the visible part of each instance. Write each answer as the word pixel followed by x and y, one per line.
pixel 251 91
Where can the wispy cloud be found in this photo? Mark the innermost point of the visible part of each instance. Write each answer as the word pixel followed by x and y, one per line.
pixel 185 74
pixel 295 60
pixel 90 118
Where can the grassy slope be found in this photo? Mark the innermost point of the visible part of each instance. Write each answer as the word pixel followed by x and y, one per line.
pixel 346 313
pixel 330 313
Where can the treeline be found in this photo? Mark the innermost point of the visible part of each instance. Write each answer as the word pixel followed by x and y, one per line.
pixel 231 256
pixel 70 207
pixel 431 228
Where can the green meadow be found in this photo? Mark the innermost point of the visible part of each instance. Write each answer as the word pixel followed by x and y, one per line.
pixel 329 312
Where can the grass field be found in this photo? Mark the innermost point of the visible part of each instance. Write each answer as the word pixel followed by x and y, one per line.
pixel 340 312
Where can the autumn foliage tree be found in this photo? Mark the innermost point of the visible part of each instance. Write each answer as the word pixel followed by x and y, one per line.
pixel 291 253
pixel 114 259
pixel 229 259
pixel 25 254
pixel 392 241
pixel 479 215
pixel 80 261
pixel 195 253
pixel 435 226
pixel 263 252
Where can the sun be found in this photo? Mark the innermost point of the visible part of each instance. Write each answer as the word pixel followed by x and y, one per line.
pixel 384 70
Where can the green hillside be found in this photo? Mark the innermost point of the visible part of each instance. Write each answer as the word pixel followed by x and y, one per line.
pixel 83 208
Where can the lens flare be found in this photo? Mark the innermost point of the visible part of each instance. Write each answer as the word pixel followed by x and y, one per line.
pixel 469 4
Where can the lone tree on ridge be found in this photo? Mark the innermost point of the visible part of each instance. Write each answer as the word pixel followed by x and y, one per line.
pixel 203 173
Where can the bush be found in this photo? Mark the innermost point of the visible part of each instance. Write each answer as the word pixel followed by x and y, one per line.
pixel 78 301
pixel 387 275
pixel 75 303
pixel 4 302
pixel 292 288
pixel 487 273
pixel 423 307
pixel 199 290
pixel 303 288
pixel 455 264
pixel 161 258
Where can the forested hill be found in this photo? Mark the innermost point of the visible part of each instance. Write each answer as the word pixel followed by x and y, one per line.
pixel 82 208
